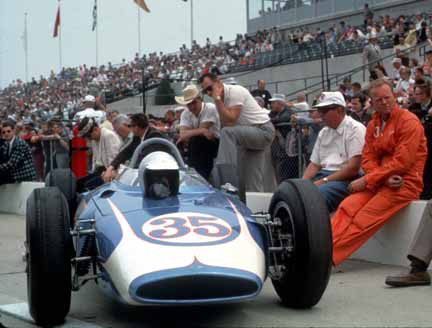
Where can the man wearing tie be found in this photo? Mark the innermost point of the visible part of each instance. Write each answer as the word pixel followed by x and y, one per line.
pixel 17 161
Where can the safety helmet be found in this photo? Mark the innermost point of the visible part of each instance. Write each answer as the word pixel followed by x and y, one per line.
pixel 159 175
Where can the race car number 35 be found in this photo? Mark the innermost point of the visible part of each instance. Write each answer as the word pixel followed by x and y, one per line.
pixel 187 228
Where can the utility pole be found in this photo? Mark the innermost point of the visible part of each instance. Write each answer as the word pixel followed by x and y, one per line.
pixel 26 47
pixel 144 85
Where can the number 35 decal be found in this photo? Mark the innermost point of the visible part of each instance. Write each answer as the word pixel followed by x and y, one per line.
pixel 187 228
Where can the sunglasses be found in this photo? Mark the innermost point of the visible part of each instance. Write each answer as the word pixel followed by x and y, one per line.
pixel 6 131
pixel 208 89
pixel 325 110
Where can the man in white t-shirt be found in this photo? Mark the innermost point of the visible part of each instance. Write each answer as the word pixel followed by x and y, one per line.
pixel 247 130
pixel 200 128
pixel 301 107
pixel 336 156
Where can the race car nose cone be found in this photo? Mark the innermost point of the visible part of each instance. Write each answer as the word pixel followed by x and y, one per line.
pixel 195 285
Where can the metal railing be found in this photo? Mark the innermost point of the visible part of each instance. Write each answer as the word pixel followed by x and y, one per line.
pixel 317 87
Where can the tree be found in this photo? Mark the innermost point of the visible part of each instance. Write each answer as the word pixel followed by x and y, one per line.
pixel 164 94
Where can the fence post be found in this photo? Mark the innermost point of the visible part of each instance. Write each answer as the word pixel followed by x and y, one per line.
pixel 51 155
pixel 300 150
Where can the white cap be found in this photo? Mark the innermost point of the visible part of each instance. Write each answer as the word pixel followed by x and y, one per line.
pixel 89 98
pixel 231 81
pixel 278 97
pixel 331 99
pixel 397 60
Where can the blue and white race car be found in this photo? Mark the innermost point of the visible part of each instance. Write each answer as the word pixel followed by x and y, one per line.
pixel 160 234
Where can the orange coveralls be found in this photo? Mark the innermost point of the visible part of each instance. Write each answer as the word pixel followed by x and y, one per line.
pixel 398 150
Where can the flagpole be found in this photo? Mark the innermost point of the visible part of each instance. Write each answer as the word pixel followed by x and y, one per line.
pixel 26 47
pixel 192 23
pixel 60 40
pixel 97 35
pixel 139 32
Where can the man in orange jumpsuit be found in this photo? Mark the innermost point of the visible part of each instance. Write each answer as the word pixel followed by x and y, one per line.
pixel 393 159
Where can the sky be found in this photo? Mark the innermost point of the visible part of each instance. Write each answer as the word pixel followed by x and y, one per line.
pixel 165 29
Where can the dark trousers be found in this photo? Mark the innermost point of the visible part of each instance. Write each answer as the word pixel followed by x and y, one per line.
pixel 6 177
pixel 202 153
pixel 334 192
pixel 427 173
pixel 91 181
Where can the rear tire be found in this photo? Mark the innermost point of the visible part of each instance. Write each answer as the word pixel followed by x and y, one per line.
pixel 65 180
pixel 48 258
pixel 303 212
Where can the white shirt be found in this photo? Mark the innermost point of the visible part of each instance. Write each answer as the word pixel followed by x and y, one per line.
pixel 98 115
pixel 335 147
pixel 251 112
pixel 302 110
pixel 402 85
pixel 208 114
pixel 106 149
pixel 10 145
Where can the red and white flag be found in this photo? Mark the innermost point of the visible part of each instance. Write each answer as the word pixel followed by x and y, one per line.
pixel 142 4
pixel 57 23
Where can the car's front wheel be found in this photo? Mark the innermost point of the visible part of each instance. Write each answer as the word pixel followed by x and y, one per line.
pixel 298 205
pixel 48 256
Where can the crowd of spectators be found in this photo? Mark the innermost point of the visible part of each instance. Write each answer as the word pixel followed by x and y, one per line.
pixel 39 108
pixel 61 93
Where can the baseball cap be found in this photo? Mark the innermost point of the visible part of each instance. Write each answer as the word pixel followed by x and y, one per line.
pixel 278 97
pixel 331 99
pixel 89 98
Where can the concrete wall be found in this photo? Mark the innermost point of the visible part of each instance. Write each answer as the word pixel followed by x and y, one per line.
pixel 135 105
pixel 301 71
pixel 13 197
pixel 388 246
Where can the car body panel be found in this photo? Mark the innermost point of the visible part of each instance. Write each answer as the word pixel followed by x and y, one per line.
pixel 201 246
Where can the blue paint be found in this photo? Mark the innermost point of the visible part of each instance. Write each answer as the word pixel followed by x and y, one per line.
pixel 195 196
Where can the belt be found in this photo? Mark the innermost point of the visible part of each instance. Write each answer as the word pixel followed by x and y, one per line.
pixel 260 125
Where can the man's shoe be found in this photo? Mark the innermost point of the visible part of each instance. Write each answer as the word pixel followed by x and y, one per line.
pixel 409 279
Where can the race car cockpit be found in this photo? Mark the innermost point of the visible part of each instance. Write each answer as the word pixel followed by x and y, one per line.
pixel 159 175
pixel 159 169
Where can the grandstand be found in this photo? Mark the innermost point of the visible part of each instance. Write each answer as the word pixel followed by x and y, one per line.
pixel 298 35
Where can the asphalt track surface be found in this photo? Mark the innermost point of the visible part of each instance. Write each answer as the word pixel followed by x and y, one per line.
pixel 356 297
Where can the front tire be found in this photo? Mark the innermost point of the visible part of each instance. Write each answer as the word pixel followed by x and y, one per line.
pixel 303 213
pixel 65 180
pixel 48 258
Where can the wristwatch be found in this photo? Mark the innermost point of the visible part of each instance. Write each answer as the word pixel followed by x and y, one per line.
pixel 326 180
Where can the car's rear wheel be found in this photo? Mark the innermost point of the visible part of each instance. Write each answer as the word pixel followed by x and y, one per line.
pixel 301 209
pixel 65 180
pixel 48 256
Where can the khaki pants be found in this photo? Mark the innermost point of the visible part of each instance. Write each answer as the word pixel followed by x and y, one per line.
pixel 421 246
pixel 244 147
